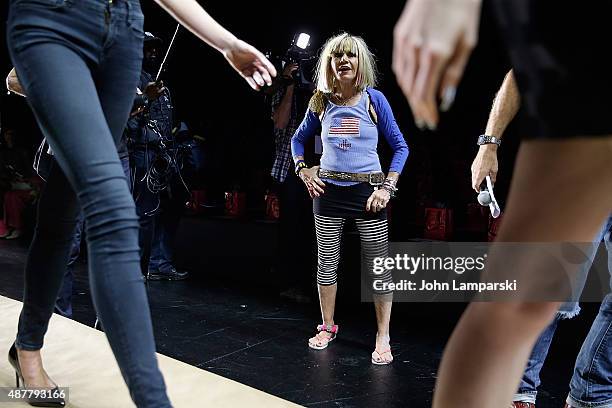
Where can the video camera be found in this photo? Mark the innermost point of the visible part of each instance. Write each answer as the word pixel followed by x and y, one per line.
pixel 299 53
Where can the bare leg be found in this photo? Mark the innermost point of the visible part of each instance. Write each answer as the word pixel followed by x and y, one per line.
pixel 382 305
pixel 327 298
pixel 561 191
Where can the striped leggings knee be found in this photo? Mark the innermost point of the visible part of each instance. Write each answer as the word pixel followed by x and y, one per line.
pixel 373 235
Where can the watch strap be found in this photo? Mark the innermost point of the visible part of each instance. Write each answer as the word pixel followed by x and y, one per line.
pixel 488 139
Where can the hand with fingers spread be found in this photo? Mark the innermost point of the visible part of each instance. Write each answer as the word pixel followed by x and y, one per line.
pixel 378 200
pixel 250 63
pixel 310 177
pixel 432 43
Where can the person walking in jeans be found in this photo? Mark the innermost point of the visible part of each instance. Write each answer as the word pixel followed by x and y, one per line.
pixel 591 383
pixel 78 62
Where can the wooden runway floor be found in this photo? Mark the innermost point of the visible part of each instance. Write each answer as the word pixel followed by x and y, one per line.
pixel 79 357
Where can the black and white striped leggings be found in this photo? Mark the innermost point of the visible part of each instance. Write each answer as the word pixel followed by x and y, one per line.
pixel 374 239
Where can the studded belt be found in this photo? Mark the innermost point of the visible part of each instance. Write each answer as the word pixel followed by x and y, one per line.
pixel 375 179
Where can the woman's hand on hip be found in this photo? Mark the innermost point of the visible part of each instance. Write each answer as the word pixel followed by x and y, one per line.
pixel 310 177
pixel 378 200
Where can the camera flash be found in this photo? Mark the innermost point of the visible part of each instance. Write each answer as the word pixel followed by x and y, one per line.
pixel 303 40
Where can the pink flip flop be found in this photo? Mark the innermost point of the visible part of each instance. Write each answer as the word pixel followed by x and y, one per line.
pixel 333 330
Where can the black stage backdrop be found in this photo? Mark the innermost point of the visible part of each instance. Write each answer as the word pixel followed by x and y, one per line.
pixel 235 121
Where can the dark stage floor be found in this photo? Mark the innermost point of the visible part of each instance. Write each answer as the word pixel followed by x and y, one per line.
pixel 226 320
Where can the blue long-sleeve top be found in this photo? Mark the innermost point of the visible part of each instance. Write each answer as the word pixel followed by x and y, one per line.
pixel 350 137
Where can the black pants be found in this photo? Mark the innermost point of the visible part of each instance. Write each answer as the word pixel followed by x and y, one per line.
pixel 296 235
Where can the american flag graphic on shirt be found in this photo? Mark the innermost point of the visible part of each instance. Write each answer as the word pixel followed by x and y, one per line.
pixel 344 126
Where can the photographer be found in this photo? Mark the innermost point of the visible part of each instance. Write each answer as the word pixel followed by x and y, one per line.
pixel 151 157
pixel 288 103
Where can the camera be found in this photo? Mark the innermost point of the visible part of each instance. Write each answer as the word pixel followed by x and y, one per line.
pixel 299 53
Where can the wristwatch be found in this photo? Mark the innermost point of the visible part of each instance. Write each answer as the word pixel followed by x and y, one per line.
pixel 299 166
pixel 486 139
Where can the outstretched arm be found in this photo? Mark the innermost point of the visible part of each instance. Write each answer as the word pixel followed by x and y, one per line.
pixel 251 64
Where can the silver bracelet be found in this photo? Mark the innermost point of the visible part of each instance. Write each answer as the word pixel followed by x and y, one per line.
pixel 390 188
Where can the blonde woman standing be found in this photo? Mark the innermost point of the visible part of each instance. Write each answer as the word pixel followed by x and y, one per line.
pixel 350 184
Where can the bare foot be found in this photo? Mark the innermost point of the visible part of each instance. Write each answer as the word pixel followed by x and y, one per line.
pixel 321 340
pixel 34 375
pixel 323 337
pixel 382 352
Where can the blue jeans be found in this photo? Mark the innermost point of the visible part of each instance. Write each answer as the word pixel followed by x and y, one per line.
pixel 161 248
pixel 159 215
pixel 591 383
pixel 63 304
pixel 79 63
pixel 166 223
pixel 527 391
pixel 147 202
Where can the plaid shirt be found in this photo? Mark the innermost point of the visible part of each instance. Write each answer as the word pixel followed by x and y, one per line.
pixel 282 137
